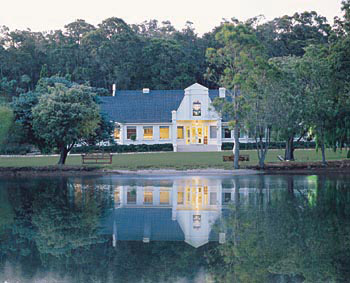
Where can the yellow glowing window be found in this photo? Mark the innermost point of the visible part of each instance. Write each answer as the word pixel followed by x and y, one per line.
pixel 164 132
pixel 148 197
pixel 180 132
pixel 117 196
pixel 180 197
pixel 117 133
pixel 164 197
pixel 148 133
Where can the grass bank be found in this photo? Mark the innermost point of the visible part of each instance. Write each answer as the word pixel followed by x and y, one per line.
pixel 170 160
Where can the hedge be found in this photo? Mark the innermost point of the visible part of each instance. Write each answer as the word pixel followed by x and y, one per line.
pixel 125 148
pixel 273 145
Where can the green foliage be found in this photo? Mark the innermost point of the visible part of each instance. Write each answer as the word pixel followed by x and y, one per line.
pixel 64 116
pixel 6 118
pixel 125 148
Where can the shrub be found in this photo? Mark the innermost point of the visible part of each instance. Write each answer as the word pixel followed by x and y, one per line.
pixel 125 148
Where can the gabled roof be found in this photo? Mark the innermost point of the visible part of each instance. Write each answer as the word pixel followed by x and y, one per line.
pixel 134 106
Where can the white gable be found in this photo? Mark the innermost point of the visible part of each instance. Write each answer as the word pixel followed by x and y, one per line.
pixel 196 93
pixel 196 86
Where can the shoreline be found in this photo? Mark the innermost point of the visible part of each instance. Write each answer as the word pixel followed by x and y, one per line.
pixel 84 171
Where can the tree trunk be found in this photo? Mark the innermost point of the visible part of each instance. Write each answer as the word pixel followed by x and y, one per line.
pixel 324 162
pixel 236 146
pixel 63 156
pixel 290 184
pixel 263 146
pixel 289 152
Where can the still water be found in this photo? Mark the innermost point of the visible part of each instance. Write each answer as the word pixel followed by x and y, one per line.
pixel 175 229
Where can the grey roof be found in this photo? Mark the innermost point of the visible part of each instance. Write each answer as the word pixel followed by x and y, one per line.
pixel 132 224
pixel 133 106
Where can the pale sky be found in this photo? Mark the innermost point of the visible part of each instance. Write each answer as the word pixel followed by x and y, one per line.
pixel 43 15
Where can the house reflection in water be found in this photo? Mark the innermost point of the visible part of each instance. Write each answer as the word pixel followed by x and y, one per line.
pixel 184 210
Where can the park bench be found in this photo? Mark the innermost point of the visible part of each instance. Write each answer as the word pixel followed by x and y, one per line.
pixel 96 158
pixel 242 157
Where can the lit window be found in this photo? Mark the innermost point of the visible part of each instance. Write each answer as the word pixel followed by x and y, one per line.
pixel 226 133
pixel 117 132
pixel 197 108
pixel 164 132
pixel 131 133
pixel 148 133
pixel 164 197
pixel 180 197
pixel 148 197
pixel 117 196
pixel 213 132
pixel 180 132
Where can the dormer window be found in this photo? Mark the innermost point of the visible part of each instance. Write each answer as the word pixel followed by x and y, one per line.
pixel 197 108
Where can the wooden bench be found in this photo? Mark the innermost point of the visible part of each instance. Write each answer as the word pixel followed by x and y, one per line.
pixel 243 157
pixel 97 158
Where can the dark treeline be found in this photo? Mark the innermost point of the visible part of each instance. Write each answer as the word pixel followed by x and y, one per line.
pixel 133 56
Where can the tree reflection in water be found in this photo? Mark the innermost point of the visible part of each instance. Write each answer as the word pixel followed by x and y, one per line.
pixel 277 229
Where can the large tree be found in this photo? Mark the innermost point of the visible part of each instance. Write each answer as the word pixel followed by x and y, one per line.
pixel 319 97
pixel 229 65
pixel 64 116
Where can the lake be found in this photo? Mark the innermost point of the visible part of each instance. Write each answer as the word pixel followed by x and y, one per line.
pixel 255 228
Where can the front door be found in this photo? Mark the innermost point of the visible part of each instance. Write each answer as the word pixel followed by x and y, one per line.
pixel 197 134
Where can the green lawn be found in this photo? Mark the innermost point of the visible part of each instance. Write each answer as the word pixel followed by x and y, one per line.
pixel 185 160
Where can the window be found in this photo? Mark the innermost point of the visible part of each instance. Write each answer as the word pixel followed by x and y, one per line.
pixel 164 197
pixel 164 132
pixel 148 133
pixel 117 196
pixel 117 133
pixel 226 197
pixel 197 108
pixel 131 133
pixel 226 133
pixel 180 132
pixel 148 197
pixel 213 132
pixel 131 196
pixel 180 197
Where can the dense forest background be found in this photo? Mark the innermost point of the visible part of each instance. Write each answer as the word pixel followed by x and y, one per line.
pixel 151 54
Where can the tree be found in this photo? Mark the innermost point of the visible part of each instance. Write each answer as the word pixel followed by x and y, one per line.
pixel 6 118
pixel 289 105
pixel 319 98
pixel 229 66
pixel 260 94
pixel 64 116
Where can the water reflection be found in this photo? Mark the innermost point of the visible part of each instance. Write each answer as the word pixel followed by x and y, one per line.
pixel 168 229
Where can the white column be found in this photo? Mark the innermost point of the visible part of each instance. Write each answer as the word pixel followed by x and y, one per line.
pixel 156 196
pixel 122 134
pixel 219 134
pixel 174 130
pixel 123 195
pixel 139 134
pixel 139 195
pixel 174 202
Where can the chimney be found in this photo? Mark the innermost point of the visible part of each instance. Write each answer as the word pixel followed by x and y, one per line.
pixel 145 90
pixel 113 89
pixel 222 92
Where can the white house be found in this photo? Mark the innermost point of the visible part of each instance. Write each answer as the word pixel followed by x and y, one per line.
pixel 183 118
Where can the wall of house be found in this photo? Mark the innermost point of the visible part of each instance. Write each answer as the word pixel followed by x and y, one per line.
pixel 140 134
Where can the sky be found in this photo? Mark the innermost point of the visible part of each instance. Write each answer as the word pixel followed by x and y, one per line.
pixel 44 15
